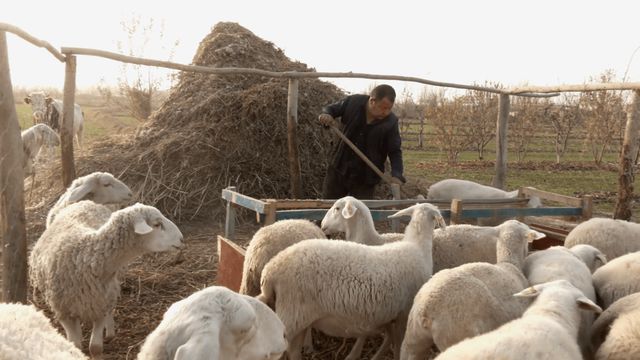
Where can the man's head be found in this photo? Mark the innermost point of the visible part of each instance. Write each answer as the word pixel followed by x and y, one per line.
pixel 381 101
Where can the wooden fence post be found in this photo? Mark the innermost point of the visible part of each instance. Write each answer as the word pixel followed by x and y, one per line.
pixel 13 235
pixel 292 128
pixel 456 212
pixel 587 207
pixel 501 142
pixel 395 192
pixel 629 150
pixel 68 110
pixel 230 220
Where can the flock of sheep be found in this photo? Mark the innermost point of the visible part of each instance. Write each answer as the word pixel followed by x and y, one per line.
pixel 470 292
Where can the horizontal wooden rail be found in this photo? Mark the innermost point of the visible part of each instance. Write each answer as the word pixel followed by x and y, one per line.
pixel 545 195
pixel 283 74
pixel 35 41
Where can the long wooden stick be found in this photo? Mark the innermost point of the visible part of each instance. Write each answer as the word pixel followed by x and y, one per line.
pixel 362 156
pixel 35 41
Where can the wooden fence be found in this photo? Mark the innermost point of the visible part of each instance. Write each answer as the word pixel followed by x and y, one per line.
pixel 11 198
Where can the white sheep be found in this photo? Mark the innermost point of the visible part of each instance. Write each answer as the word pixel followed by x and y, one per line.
pixel 615 334
pixel 590 255
pixel 216 323
pixel 26 333
pixel 617 279
pixel 33 139
pixel 267 242
pixel 75 263
pixel 547 330
pixel 459 244
pixel 347 289
pixel 613 237
pixel 470 299
pixel 560 263
pixel 450 189
pixel 352 217
pixel 100 187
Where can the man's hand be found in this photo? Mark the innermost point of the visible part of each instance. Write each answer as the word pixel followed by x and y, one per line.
pixel 398 181
pixel 326 120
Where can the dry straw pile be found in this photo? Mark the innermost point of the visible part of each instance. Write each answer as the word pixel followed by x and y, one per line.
pixel 214 131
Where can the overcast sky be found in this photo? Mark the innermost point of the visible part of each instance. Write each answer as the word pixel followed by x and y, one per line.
pixel 542 42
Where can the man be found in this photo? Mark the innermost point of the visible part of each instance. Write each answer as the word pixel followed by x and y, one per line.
pixel 369 123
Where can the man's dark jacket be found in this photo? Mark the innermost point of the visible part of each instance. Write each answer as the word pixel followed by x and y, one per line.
pixel 377 140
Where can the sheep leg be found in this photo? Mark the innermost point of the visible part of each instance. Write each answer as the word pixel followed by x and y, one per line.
pixel 294 350
pixel 308 341
pixel 97 339
pixel 110 327
pixel 384 347
pixel 356 350
pixel 73 330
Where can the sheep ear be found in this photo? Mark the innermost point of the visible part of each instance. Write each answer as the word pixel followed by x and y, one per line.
pixel 27 100
pixel 440 221
pixel 602 258
pixel 140 226
pixel 199 347
pixel 528 292
pixel 404 212
pixel 534 235
pixel 585 303
pixel 349 210
pixel 80 192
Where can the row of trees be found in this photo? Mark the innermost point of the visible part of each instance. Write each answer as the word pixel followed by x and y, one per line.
pixel 467 121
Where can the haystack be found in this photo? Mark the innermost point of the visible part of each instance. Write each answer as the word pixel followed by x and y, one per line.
pixel 214 131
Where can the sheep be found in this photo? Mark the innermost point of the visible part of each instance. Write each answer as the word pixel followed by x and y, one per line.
pixel 267 242
pixel 615 333
pixel 26 333
pixel 617 279
pixel 348 289
pixel 547 330
pixel 613 237
pixel 470 299
pixel 216 323
pixel 590 255
pixel 450 189
pixel 459 244
pixel 100 187
pixel 352 217
pixel 76 261
pixel 33 139
pixel 560 263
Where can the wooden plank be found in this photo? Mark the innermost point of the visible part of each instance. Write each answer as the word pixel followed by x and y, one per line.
pixel 587 207
pixel 501 142
pixel 269 212
pixel 395 223
pixel 13 235
pixel 230 218
pixel 66 128
pixel 545 195
pixel 292 139
pixel 230 262
pixel 456 211
pixel 318 214
pixel 243 200
pixel 515 212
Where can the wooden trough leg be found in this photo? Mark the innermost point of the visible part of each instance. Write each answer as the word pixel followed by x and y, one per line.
pixel 230 261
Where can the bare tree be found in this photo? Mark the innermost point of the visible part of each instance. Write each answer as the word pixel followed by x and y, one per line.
pixel 604 117
pixel 524 118
pixel 138 84
pixel 564 118
pixel 450 123
pixel 483 113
